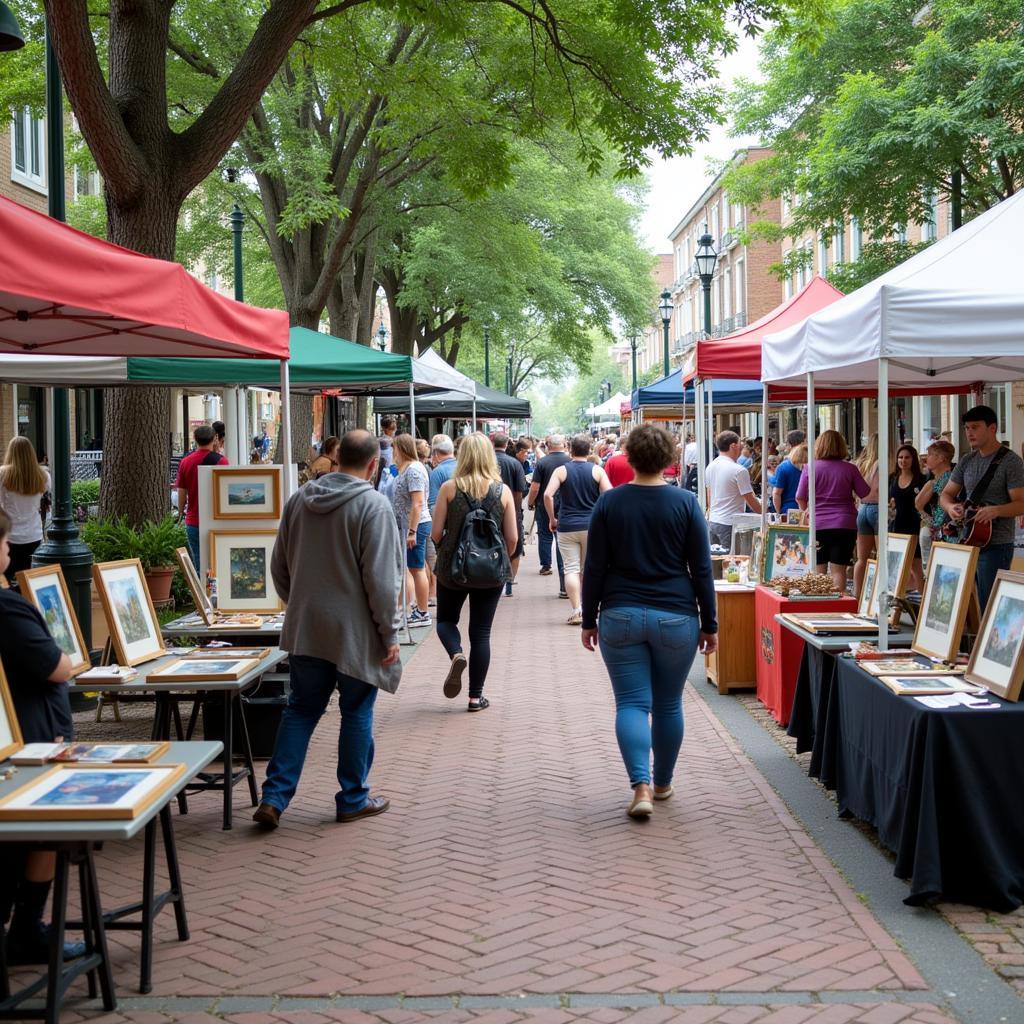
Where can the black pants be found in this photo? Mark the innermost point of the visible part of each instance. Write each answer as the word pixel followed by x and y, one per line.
pixel 483 604
pixel 21 559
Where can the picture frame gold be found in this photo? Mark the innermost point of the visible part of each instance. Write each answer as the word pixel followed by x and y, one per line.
pixel 195 586
pixel 779 537
pixel 34 588
pixel 867 590
pixel 122 589
pixel 232 596
pixel 203 670
pixel 38 798
pixel 255 653
pixel 997 658
pixel 227 480
pixel 10 729
pixel 944 603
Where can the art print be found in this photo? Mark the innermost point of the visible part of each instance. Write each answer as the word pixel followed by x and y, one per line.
pixel 867 592
pixel 944 603
pixel 46 588
pixel 786 552
pixel 202 601
pixel 996 661
pixel 10 730
pixel 916 685
pixel 185 670
pixel 131 617
pixel 245 492
pixel 241 563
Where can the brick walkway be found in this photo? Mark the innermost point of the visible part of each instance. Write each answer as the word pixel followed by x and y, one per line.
pixel 506 883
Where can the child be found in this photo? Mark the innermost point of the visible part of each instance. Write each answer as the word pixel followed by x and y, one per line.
pixel 37 671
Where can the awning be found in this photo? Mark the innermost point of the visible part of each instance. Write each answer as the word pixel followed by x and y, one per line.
pixel 669 392
pixel 453 404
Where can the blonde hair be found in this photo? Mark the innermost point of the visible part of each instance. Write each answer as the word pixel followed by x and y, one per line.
pixel 476 466
pixel 798 454
pixel 21 472
pixel 831 445
pixel 867 461
pixel 405 445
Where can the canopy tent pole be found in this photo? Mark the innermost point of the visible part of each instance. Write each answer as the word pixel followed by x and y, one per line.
pixel 286 428
pixel 812 557
pixel 682 445
pixel 698 386
pixel 243 420
pixel 764 461
pixel 711 411
pixel 474 411
pixel 882 568
pixel 232 428
pixel 412 409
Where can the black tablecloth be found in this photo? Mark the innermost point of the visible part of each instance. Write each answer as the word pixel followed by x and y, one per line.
pixel 943 788
pixel 813 718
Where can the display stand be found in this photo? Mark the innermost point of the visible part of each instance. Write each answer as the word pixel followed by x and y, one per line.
pixel 734 665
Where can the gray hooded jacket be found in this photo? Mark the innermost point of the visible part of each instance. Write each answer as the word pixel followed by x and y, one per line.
pixel 338 565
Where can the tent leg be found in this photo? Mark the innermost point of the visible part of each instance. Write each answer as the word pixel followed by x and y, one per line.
pixel 812 556
pixel 286 428
pixel 764 460
pixel 882 569
pixel 698 389
pixel 412 410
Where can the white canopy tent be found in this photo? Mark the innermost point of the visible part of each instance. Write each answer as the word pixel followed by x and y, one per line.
pixel 949 319
pixel 609 411
pixel 445 377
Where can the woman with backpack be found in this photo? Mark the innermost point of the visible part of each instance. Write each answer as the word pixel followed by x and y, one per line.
pixel 476 532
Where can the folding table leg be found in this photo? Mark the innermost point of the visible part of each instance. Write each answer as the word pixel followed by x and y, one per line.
pixel 55 967
pixel 99 933
pixel 243 729
pixel 148 873
pixel 229 758
pixel 174 873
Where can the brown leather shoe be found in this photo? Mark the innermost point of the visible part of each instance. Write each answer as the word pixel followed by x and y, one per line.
pixel 267 816
pixel 375 805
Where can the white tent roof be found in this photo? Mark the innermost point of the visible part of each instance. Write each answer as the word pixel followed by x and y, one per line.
pixel 612 407
pixel 951 316
pixel 430 368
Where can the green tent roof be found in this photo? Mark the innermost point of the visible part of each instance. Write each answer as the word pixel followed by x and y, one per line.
pixel 316 361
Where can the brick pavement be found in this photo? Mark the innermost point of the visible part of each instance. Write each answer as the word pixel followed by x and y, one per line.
pixel 506 866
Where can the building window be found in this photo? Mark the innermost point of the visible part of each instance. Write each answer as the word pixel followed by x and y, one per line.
pixel 839 243
pixel 87 183
pixel 727 295
pixel 741 288
pixel 788 288
pixel 822 255
pixel 930 228
pixel 856 239
pixel 714 224
pixel 901 232
pixel 28 146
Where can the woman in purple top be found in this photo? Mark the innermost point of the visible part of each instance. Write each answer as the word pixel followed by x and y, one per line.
pixel 837 485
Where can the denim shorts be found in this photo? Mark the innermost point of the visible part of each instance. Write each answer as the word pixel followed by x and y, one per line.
pixel 416 556
pixel 867 519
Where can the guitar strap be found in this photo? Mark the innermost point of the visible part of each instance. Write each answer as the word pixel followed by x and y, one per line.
pixel 978 494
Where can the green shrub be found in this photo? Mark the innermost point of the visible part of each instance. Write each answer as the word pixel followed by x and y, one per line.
pixel 113 538
pixel 83 494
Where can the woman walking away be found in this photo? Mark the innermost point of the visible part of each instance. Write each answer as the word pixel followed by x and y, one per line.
pixel 656 600
pixel 904 487
pixel 23 482
pixel 409 500
pixel 939 460
pixel 327 461
pixel 476 484
pixel 837 485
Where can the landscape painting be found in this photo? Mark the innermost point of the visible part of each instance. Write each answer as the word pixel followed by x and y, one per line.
pixel 246 492
pixel 45 587
pixel 947 592
pixel 1003 641
pixel 942 602
pixel 241 563
pixel 997 661
pixel 131 617
pixel 127 602
pixel 246 495
pixel 248 577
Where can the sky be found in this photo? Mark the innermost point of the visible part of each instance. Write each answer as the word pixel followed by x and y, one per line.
pixel 677 183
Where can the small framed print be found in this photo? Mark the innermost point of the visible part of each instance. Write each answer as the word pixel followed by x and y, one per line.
pixel 46 589
pixel 246 492
pixel 917 685
pixel 996 660
pixel 10 730
pixel 785 552
pixel 867 592
pixel 256 653
pixel 905 667
pixel 900 550
pixel 947 591
pixel 195 586
pixel 69 792
pixel 131 617
pixel 795 517
pixel 241 563
pixel 186 670
pixel 756 557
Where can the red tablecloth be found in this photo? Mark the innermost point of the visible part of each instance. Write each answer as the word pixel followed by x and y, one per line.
pixel 780 649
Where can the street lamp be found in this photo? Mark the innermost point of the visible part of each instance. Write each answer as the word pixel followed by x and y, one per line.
pixel 487 356
pixel 10 32
pixel 705 261
pixel 634 344
pixel 237 219
pixel 382 337
pixel 508 374
pixel 666 319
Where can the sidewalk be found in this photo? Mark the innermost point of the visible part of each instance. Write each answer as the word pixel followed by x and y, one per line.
pixel 506 883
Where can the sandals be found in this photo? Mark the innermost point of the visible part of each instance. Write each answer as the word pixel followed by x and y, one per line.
pixel 478 704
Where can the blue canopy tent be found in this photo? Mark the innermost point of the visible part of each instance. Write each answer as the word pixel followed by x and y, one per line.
pixel 669 392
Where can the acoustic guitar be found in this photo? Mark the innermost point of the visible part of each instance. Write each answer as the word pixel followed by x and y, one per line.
pixel 969 531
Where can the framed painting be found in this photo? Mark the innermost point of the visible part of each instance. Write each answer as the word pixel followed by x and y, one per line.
pixel 258 653
pixel 10 731
pixel 46 588
pixel 917 685
pixel 756 557
pixel 186 670
pixel 69 792
pixel 947 592
pixel 131 617
pixel 795 517
pixel 246 492
pixel 867 590
pixel 241 563
pixel 785 552
pixel 195 586
pixel 996 660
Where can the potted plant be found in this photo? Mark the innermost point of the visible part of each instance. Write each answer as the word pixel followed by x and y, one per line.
pixel 153 544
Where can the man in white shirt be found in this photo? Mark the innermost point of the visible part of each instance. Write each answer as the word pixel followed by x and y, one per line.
pixel 729 489
pixel 690 453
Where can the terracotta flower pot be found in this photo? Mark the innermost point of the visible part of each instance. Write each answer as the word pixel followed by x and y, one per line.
pixel 159 580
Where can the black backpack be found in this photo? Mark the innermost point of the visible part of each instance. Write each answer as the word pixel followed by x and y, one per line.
pixel 480 558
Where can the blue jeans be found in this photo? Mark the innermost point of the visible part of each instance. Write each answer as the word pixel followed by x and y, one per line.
pixel 990 561
pixel 313 680
pixel 545 538
pixel 192 540
pixel 648 653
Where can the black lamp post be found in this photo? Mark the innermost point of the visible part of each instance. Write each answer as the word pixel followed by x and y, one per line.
pixel 508 374
pixel 634 344
pixel 666 319
pixel 705 261
pixel 606 385
pixel 382 337
pixel 487 356
pixel 62 545
pixel 237 219
pixel 10 31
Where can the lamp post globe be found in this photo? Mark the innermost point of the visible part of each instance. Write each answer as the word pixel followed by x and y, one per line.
pixel 666 318
pixel 382 337
pixel 704 263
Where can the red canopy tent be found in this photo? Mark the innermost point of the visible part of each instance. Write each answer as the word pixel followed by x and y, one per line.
pixel 65 292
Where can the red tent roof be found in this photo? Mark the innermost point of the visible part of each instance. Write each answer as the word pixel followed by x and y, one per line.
pixel 737 356
pixel 63 292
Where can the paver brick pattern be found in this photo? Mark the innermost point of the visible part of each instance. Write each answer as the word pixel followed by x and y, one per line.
pixel 507 865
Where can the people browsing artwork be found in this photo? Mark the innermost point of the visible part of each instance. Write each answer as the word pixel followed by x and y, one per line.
pixel 987 488
pixel 23 482
pixel 939 462
pixel 905 484
pixel 187 483
pixel 787 475
pixel 730 491
pixel 650 607
pixel 338 565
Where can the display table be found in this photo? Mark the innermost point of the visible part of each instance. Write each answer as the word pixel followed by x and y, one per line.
pixel 942 787
pixel 266 634
pixel 75 843
pixel 779 649
pixel 734 665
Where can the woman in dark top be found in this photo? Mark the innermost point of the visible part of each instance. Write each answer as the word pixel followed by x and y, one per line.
pixel 327 461
pixel 904 487
pixel 476 478
pixel 648 573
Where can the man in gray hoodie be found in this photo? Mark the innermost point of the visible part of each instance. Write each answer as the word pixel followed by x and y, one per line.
pixel 338 565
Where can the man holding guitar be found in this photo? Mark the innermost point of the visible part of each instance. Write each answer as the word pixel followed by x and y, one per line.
pixel 984 496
